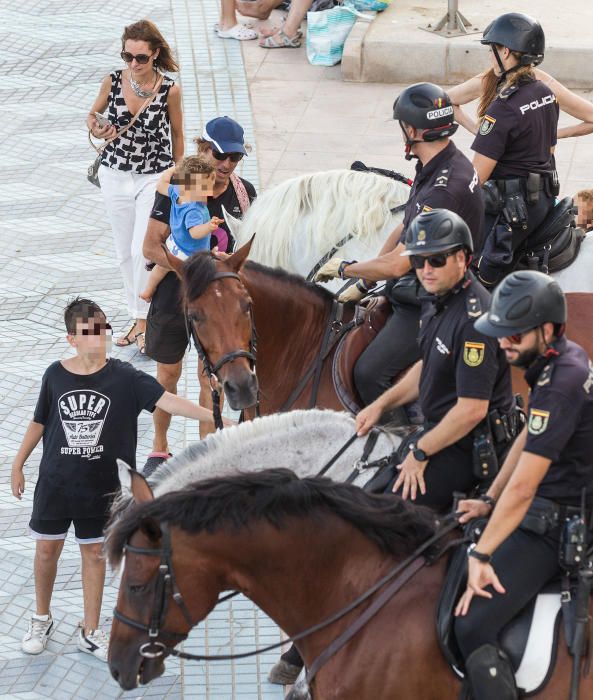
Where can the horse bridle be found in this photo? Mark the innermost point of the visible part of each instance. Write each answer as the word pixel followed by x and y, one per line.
pixel 210 370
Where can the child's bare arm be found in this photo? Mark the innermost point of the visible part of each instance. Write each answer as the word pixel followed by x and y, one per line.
pixel 203 230
pixel 180 406
pixel 31 439
pixel 164 181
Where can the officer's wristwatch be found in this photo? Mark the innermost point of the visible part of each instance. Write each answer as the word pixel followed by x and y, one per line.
pixel 418 453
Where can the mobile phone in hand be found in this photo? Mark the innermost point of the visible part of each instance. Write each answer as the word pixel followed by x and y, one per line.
pixel 101 120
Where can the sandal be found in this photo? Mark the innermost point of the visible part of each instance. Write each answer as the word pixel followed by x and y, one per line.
pixel 142 344
pixel 128 338
pixel 286 42
pixel 270 31
pixel 239 32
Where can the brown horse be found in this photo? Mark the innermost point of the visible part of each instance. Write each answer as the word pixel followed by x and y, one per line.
pixel 245 533
pixel 228 300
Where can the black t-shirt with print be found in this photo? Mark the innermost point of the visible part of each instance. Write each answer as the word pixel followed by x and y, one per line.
pixel 90 421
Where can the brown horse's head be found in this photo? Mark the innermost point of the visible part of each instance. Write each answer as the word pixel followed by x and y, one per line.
pixel 219 309
pixel 145 595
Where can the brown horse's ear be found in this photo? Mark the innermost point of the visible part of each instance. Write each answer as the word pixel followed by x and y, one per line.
pixel 174 263
pixel 134 482
pixel 151 528
pixel 238 258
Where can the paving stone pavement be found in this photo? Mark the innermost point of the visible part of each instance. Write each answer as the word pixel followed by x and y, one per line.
pixel 55 243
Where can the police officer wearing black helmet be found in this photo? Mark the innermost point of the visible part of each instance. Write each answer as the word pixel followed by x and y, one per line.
pixel 541 481
pixel 514 144
pixel 462 380
pixel 445 178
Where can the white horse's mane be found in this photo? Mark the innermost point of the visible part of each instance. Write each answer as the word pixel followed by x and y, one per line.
pixel 303 441
pixel 264 435
pixel 325 205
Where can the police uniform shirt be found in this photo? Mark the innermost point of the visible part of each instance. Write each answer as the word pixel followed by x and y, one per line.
pixel 519 129
pixel 458 361
pixel 560 422
pixel 89 420
pixel 448 181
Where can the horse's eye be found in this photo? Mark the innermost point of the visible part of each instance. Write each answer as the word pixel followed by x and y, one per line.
pixel 137 588
pixel 245 306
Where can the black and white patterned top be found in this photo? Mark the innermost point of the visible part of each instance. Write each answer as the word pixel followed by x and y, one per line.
pixel 146 146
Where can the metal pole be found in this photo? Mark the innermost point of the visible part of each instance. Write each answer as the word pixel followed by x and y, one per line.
pixel 453 23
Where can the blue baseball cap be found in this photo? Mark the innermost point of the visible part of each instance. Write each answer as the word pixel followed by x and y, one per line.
pixel 225 135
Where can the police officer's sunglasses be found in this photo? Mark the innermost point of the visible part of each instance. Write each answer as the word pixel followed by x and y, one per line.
pixel 141 58
pixel 235 157
pixel 517 338
pixel 435 260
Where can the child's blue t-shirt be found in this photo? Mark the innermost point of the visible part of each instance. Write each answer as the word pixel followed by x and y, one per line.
pixel 182 218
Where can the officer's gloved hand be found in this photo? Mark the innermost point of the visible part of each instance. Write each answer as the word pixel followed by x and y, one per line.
pixel 353 293
pixel 330 270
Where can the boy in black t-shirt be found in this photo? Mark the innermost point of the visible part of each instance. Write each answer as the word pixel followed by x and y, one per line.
pixel 87 415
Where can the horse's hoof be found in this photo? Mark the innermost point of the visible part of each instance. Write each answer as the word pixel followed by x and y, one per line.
pixel 299 692
pixel 283 673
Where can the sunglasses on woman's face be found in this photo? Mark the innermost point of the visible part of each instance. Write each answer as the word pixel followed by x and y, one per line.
pixel 436 260
pixel 234 157
pixel 141 58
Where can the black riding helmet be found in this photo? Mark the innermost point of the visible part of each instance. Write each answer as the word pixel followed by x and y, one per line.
pixel 522 301
pixel 437 231
pixel 520 33
pixel 426 107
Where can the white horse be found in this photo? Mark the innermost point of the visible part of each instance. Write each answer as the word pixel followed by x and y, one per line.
pixel 306 217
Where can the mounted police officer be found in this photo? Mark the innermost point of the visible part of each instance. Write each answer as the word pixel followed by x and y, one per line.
pixel 462 380
pixel 514 144
pixel 446 179
pixel 539 488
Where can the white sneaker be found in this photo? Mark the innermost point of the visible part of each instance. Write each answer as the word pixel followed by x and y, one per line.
pixel 95 642
pixel 35 640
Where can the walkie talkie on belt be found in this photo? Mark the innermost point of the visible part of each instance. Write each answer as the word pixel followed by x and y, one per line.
pixel 577 562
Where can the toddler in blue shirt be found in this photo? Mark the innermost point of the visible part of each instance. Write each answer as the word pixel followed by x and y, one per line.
pixel 188 185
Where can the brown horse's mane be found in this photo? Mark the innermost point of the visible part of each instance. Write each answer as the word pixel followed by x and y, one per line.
pixel 275 495
pixel 199 271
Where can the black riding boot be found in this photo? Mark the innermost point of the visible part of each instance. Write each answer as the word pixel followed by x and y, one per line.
pixel 490 674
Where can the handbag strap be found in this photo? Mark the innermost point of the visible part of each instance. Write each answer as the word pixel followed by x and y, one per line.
pixel 144 105
pixel 241 192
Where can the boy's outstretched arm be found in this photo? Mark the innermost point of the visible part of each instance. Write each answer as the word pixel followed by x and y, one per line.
pixel 179 406
pixel 30 441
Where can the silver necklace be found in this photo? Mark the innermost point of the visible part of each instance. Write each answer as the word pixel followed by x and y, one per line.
pixel 138 89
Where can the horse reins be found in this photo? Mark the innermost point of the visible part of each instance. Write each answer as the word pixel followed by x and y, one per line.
pixel 210 370
pixel 396 578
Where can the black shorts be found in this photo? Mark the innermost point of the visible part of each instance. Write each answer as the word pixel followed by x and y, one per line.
pixel 86 530
pixel 166 329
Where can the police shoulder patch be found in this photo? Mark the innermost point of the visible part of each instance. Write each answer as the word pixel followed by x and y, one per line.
pixel 473 353
pixel 487 125
pixel 538 421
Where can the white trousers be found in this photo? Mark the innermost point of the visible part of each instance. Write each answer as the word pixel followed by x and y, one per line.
pixel 128 199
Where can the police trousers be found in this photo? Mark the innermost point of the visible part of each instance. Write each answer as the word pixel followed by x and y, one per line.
pixel 393 350
pixel 524 563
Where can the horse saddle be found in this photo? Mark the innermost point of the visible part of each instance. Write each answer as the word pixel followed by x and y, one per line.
pixel 556 242
pixel 530 640
pixel 367 324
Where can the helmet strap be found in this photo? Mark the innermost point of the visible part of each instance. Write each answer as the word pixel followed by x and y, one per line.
pixel 408 143
pixel 503 72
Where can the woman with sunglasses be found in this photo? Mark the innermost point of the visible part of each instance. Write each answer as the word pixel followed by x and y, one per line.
pixel 132 162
